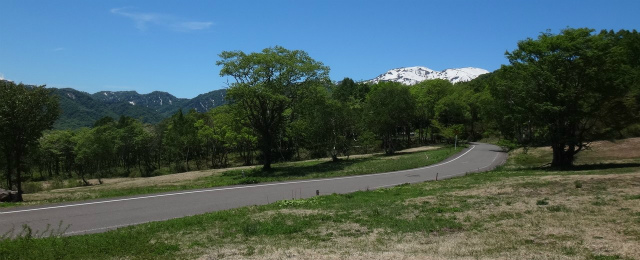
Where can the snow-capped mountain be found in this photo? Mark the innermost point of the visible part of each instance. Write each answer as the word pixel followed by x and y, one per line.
pixel 414 75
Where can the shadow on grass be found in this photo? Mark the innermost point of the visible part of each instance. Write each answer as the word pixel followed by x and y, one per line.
pixel 588 167
pixel 284 171
pixel 603 166
pixel 293 170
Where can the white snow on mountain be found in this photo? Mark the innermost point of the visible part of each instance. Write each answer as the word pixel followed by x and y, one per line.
pixel 414 75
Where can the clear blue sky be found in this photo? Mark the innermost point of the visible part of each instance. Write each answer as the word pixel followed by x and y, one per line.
pixel 173 45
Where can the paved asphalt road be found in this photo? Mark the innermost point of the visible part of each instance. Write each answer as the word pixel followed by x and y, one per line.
pixel 106 214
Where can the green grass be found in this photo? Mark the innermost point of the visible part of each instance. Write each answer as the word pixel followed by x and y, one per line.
pixel 509 224
pixel 327 169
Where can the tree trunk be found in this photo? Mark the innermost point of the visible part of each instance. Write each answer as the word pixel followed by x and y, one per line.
pixel 214 158
pixel 18 197
pixel 186 159
pixel 388 144
pixel 266 153
pixel 563 158
pixel 267 157
pixel 334 154
pixel 9 171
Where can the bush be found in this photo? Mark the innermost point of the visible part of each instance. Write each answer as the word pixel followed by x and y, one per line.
pixel 158 172
pixel 32 187
pixel 56 183
pixel 578 184
pixel 507 145
pixel 558 208
pixel 542 202
pixel 73 183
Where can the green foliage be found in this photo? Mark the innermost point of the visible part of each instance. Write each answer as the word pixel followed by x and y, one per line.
pixel 508 145
pixel 389 106
pixel 181 138
pixel 25 112
pixel 427 95
pixel 269 86
pixel 221 131
pixel 330 123
pixel 81 109
pixel 568 89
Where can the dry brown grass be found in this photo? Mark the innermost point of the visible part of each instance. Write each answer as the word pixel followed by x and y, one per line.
pixel 605 150
pixel 578 223
pixel 619 151
pixel 124 183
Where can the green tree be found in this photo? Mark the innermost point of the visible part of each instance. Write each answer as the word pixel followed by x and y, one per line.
pixel 389 107
pixel 351 98
pixel 181 138
pixel 564 90
pixel 132 145
pixel 323 125
pixel 268 86
pixel 56 152
pixel 25 112
pixel 452 114
pixel 104 143
pixel 427 95
pixel 221 132
pixel 86 152
pixel 478 98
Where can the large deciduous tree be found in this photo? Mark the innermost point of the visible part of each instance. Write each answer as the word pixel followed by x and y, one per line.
pixel 389 107
pixel 25 112
pixel 268 86
pixel 565 90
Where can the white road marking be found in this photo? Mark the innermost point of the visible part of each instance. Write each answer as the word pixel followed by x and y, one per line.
pixel 494 159
pixel 232 188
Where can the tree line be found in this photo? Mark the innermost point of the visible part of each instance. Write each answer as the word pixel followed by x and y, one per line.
pixel 561 90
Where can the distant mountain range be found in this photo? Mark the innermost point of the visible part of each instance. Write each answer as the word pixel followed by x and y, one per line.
pixel 414 75
pixel 81 109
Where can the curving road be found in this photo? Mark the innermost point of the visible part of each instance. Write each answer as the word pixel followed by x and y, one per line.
pixel 106 214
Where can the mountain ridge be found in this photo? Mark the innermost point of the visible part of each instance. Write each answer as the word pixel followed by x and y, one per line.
pixel 81 109
pixel 417 74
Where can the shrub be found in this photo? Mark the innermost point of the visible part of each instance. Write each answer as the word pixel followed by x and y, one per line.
pixel 56 183
pixel 542 202
pixel 557 208
pixel 32 187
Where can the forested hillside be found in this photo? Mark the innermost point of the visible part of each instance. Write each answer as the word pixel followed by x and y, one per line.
pixel 81 109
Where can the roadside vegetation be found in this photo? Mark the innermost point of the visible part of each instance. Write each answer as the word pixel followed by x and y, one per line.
pixel 320 168
pixel 521 210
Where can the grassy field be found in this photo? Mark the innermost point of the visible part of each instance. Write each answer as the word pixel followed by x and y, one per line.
pixel 356 165
pixel 519 211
